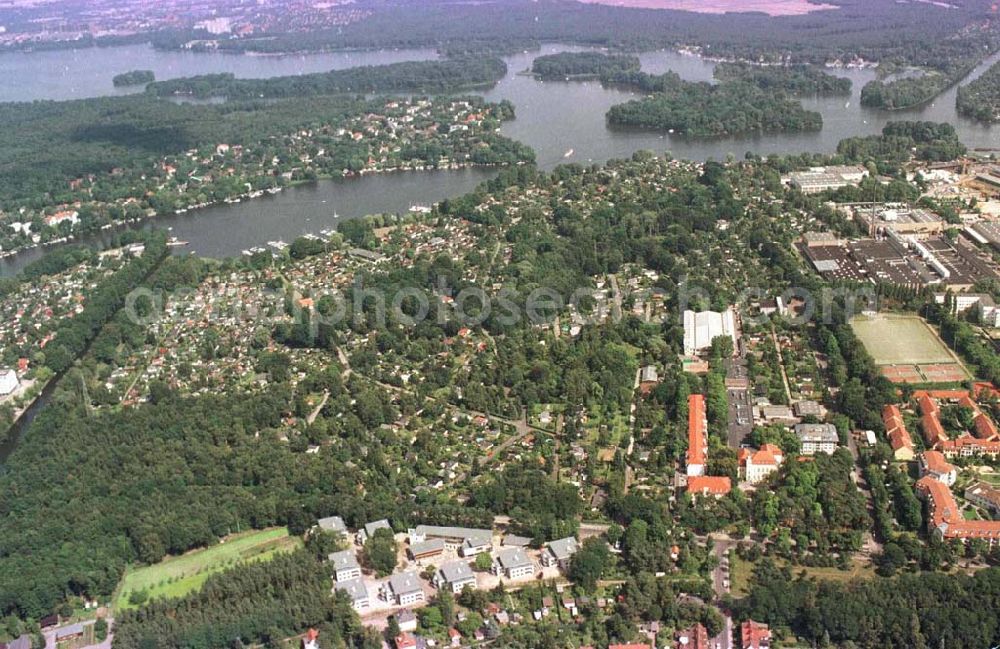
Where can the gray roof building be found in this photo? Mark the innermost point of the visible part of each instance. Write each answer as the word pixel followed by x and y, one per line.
pixel 455 571
pixel 333 524
pixel 455 533
pixel 370 528
pixel 355 589
pixel 514 541
pixel 343 560
pixel 403 583
pixel 513 558
pixel 563 549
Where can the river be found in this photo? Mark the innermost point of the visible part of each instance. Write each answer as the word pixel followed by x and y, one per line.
pixel 554 118
pixel 87 72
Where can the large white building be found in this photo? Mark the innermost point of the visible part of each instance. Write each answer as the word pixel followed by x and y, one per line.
pixel 702 327
pixel 8 381
pixel 759 464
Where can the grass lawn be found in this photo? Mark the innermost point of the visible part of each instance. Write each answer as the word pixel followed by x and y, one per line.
pixel 740 571
pixel 859 570
pixel 896 339
pixel 177 576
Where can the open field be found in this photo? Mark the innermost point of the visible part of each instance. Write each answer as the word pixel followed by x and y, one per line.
pixel 741 571
pixel 908 349
pixel 177 576
pixel 900 340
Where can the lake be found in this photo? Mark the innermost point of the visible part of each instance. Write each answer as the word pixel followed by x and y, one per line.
pixel 561 121
pixel 77 74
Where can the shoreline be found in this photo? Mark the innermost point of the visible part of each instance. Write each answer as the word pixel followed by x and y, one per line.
pixel 131 224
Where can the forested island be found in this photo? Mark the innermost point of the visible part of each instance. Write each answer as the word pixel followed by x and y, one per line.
pixel 905 92
pixel 899 141
pixel 133 78
pixel 794 80
pixel 448 75
pixel 581 65
pixel 940 65
pixel 707 110
pixel 980 99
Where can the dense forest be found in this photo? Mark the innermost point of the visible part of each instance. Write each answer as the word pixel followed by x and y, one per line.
pixel 795 80
pixel 448 75
pixel 905 92
pixel 581 64
pixel 899 140
pixel 857 30
pixel 981 99
pixel 943 64
pixel 706 110
pixel 905 612
pixel 133 78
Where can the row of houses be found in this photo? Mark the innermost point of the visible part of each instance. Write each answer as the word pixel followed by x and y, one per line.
pixel 697 453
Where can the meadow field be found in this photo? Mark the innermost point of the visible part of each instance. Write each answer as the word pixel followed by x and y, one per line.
pixel 177 576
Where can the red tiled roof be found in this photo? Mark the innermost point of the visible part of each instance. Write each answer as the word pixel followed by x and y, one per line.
pixel 985 429
pixel 709 484
pixel 971 443
pixel 697 637
pixel 946 517
pixel 697 444
pixel 892 419
pixel 764 456
pixel 754 635
pixel 935 462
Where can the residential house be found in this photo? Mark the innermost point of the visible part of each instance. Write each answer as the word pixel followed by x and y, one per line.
pixel 345 565
pixel 407 620
pixel 404 588
pixel 945 517
pixel 454 575
pixel 369 530
pixel 357 591
pixel 513 563
pixel 934 464
pixel 559 552
pixel 694 638
pixel 697 452
pixel 706 485
pixel 899 437
pixel 984 495
pixel 755 635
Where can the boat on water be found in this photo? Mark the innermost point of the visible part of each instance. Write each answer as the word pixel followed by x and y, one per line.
pixel 174 242
pixel 568 153
pixel 278 245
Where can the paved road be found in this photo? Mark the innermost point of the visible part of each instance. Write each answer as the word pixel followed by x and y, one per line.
pixel 720 578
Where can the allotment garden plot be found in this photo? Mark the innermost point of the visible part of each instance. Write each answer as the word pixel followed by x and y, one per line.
pixel 907 349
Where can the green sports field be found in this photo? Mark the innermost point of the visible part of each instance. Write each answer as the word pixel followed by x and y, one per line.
pixel 894 339
pixel 177 576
